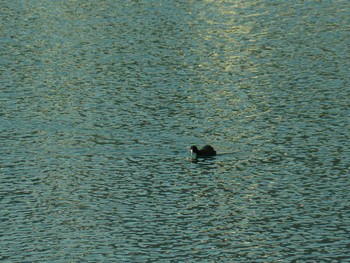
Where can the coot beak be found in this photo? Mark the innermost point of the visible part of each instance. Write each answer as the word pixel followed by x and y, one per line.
pixel 193 154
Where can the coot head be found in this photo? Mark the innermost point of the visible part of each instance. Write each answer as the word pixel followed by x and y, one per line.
pixel 194 149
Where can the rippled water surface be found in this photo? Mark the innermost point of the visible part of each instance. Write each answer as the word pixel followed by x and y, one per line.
pixel 101 100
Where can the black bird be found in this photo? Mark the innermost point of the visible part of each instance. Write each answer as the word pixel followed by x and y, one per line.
pixel 206 151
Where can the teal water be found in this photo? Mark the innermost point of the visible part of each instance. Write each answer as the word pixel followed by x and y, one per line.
pixel 101 100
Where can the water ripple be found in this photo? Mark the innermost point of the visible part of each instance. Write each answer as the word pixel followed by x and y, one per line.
pixel 100 102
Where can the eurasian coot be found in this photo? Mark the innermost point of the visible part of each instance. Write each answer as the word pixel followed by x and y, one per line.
pixel 204 152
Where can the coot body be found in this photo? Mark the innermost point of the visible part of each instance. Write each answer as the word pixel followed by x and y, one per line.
pixel 206 151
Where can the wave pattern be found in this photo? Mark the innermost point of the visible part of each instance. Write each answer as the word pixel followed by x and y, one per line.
pixel 100 102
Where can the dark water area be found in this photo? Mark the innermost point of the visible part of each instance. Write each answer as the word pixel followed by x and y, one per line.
pixel 101 100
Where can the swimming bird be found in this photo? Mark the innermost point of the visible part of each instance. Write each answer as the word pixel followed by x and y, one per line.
pixel 206 151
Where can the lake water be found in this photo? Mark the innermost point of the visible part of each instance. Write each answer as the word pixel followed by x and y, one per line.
pixel 101 100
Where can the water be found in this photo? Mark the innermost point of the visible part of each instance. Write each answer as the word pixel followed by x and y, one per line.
pixel 101 100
